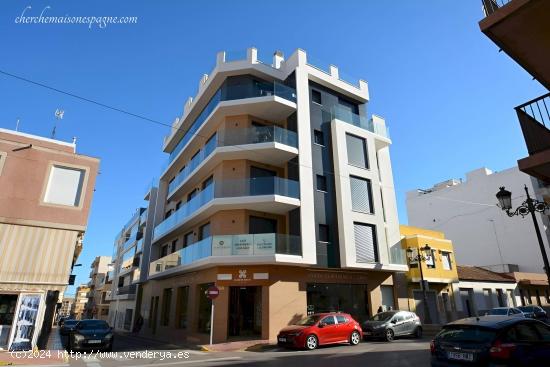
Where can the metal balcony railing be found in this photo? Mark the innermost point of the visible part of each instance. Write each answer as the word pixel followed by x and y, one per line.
pixel 538 109
pixel 128 289
pixel 490 6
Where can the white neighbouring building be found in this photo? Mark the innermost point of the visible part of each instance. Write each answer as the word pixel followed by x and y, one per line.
pixel 482 234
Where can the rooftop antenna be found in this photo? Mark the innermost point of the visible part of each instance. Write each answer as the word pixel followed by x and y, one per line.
pixel 58 116
pixel 17 124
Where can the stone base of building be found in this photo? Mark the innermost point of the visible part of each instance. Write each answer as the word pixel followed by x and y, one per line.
pixel 255 302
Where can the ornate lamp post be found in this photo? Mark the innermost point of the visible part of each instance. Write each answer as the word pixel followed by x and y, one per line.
pixel 419 258
pixel 528 206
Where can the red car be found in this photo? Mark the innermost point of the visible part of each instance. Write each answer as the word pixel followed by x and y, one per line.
pixel 321 329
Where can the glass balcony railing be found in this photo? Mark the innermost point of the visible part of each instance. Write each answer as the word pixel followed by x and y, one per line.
pixel 229 188
pixel 345 114
pixel 233 92
pixel 231 137
pixel 127 289
pixel 397 255
pixel 262 244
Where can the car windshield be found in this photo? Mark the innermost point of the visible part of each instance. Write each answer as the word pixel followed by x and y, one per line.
pixel 70 322
pixel 498 311
pixel 92 324
pixel 308 321
pixel 466 334
pixel 382 316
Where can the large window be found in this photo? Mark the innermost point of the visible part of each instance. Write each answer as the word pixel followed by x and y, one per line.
pixel 181 310
pixel 366 248
pixel 446 258
pixel 166 303
pixel 357 151
pixel 361 195
pixel 64 186
pixel 348 298
pixel 204 308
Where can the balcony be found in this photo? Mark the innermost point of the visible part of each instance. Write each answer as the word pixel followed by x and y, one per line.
pixel 270 101
pixel 226 249
pixel 268 194
pixel 534 118
pixel 134 236
pixel 271 145
pixel 520 28
pixel 374 125
pixel 127 292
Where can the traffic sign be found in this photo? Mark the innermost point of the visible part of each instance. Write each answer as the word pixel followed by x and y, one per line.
pixel 212 292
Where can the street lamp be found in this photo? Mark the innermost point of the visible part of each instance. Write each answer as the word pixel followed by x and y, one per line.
pixel 528 206
pixel 418 257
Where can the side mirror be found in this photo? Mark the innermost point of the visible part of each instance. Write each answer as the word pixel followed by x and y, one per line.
pixel 321 325
pixel 393 321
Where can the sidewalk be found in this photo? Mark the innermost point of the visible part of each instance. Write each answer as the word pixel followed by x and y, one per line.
pixel 54 354
pixel 236 346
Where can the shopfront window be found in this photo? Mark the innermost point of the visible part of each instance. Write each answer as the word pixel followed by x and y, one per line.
pixel 204 308
pixel 348 298
pixel 183 298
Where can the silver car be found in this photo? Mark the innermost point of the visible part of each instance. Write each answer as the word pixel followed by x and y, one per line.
pixel 390 324
pixel 505 311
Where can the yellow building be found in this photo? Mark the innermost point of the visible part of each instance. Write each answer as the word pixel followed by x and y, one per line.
pixel 438 268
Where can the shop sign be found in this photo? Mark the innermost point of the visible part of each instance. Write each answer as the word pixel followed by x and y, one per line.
pixel 264 244
pixel 242 244
pixel 222 245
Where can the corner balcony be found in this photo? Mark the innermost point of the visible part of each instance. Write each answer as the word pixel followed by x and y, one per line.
pixel 267 194
pixel 126 292
pixel 520 28
pixel 271 145
pixel 230 249
pixel 374 125
pixel 271 101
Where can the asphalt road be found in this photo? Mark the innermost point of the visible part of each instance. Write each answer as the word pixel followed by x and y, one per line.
pixel 130 352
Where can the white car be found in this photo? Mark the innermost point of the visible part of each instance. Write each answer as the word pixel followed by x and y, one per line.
pixel 505 311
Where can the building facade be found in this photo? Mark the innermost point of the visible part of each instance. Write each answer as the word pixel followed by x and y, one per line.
pixel 439 270
pixel 130 265
pixel 482 234
pixel 80 301
pixel 97 306
pixel 46 190
pixel 279 191
pixel 66 307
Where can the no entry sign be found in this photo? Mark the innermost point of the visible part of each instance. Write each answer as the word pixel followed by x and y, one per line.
pixel 212 292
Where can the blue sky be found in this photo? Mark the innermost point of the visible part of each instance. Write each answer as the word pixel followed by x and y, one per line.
pixel 445 91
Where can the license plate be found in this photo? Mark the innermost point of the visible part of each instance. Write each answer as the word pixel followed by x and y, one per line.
pixel 460 356
pixel 94 341
pixel 282 340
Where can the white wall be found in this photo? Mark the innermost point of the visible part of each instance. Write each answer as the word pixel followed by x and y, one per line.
pixel 480 300
pixel 482 234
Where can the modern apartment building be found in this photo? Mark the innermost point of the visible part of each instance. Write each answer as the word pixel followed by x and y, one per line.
pixel 46 190
pixel 520 29
pixel 279 191
pixel 97 306
pixel 131 264
pixel 80 301
pixel 66 307
pixel 482 235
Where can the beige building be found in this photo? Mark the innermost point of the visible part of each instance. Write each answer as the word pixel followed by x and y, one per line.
pixel 46 190
pixel 78 310
pixel 97 306
pixel 279 191
pixel 66 307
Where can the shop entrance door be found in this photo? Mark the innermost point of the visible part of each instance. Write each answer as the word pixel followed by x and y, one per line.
pixel 8 303
pixel 245 312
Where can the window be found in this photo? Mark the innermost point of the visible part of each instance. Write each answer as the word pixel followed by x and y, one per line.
pixel 321 183
pixel 166 303
pixel 316 96
pixel 323 233
pixel 204 308
pixel 178 205
pixel 64 186
pixel 204 231
pixel 164 251
pixel 188 239
pixel 329 320
pixel 168 214
pixel 181 311
pixel 365 243
pixel 523 332
pixel 357 151
pixel 318 137
pixel 174 246
pixel 341 319
pixel 361 195
pixel 209 181
pixel 446 258
pixel 430 259
pixel 192 194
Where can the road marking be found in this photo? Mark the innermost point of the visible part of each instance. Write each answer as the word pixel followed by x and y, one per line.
pixel 223 359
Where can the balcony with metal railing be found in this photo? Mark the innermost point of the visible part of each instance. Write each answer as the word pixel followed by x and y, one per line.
pixel 271 145
pixel 242 248
pixel 268 194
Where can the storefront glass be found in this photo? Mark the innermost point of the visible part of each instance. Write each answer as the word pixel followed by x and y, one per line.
pixel 348 298
pixel 8 302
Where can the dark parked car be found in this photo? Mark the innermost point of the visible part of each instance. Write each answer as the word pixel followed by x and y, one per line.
pixel 491 341
pixel 320 329
pixel 534 312
pixel 91 334
pixel 390 324
pixel 68 326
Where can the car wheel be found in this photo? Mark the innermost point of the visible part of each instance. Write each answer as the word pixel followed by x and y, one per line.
pixel 311 342
pixel 354 338
pixel 389 335
pixel 418 332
